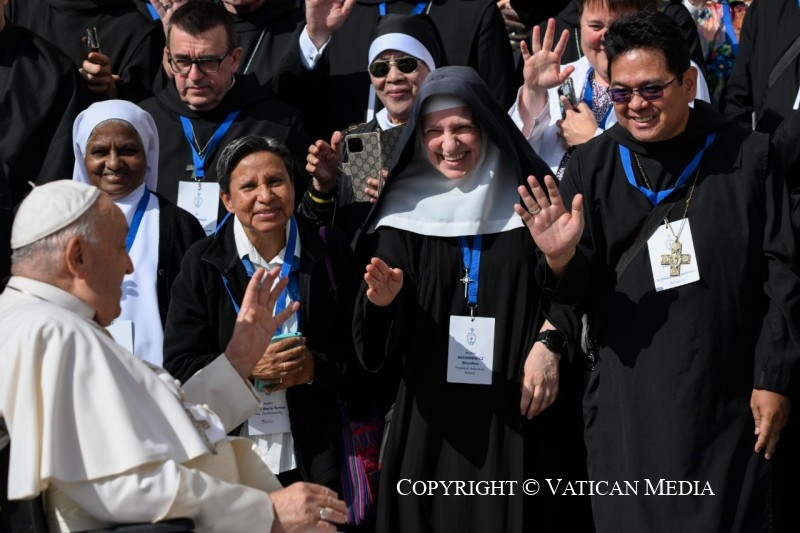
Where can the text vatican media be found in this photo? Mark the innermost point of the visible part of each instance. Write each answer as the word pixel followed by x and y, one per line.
pixel 556 487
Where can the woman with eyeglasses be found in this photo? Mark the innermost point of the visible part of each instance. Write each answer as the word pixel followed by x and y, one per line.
pixel 555 122
pixel 404 49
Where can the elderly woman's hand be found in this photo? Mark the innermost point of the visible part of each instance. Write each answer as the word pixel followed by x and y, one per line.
pixel 375 186
pixel 285 363
pixel 323 160
pixel 303 507
pixel 383 281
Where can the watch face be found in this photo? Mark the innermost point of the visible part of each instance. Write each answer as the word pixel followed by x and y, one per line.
pixel 554 340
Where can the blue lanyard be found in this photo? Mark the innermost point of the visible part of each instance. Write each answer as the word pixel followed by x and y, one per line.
pixel 198 158
pixel 416 11
pixel 471 257
pixel 729 31
pixel 656 197
pixel 137 220
pixel 153 12
pixel 588 97
pixel 291 264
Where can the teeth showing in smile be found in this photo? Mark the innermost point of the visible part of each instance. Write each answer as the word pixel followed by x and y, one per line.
pixel 454 157
pixel 642 120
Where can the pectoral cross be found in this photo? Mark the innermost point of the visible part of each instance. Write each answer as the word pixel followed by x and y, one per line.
pixel 675 259
pixel 201 426
pixel 466 280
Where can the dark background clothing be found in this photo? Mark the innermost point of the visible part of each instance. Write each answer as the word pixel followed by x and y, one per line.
pixel 134 44
pixel 40 96
pixel 768 30
pixel 473 34
pixel 669 397
pixel 261 114
pixel 201 319
pixel 177 231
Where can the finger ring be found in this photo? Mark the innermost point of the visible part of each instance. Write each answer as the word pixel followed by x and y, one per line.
pixel 324 513
pixel 535 212
pixel 166 5
pixel 280 380
pixel 283 366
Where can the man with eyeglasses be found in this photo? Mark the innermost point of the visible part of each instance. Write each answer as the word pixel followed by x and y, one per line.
pixel 207 104
pixel 672 231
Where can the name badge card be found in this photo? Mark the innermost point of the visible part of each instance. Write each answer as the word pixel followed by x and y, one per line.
pixel 122 331
pixel 273 417
pixel 202 200
pixel 673 261
pixel 470 356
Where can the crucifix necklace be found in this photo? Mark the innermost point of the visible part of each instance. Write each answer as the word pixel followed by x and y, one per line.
pixel 674 259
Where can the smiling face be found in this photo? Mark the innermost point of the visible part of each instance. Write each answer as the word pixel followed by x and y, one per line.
pixel 261 195
pixel 596 18
pixel 659 119
pixel 200 90
pixel 115 158
pixel 452 141
pixel 397 91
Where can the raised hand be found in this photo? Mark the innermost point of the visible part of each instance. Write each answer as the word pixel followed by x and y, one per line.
pixel 542 68
pixel 96 70
pixel 255 324
pixel 323 160
pixel 383 281
pixel 323 17
pixel 555 230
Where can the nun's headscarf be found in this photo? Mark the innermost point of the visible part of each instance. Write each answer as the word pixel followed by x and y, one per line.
pixel 100 112
pixel 414 35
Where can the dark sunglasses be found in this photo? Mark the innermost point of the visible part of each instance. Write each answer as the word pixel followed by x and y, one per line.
pixel 407 65
pixel 651 92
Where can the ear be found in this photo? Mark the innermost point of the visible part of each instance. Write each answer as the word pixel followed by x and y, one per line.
pixel 227 201
pixel 690 83
pixel 75 257
pixel 236 55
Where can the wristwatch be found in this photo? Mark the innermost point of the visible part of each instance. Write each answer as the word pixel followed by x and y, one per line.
pixel 553 339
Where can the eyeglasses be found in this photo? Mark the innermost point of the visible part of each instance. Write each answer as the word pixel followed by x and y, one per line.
pixel 207 65
pixel 651 92
pixel 407 65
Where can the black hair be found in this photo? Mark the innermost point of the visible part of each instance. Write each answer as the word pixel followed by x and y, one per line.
pixel 651 30
pixel 199 16
pixel 240 148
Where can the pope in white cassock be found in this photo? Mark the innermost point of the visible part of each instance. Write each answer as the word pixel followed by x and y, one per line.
pixel 108 438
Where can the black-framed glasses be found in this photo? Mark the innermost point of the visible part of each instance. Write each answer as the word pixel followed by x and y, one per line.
pixel 407 65
pixel 207 65
pixel 650 92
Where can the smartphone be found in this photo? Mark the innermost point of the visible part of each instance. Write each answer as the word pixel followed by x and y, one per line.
pixel 567 89
pixel 92 42
pixel 262 385
pixel 362 160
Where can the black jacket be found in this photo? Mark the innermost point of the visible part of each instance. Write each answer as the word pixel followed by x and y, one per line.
pixel 201 319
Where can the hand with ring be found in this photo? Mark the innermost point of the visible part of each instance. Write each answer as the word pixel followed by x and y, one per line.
pixel 307 507
pixel 555 230
pixel 285 363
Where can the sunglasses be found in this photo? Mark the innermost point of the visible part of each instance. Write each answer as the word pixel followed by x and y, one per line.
pixel 651 92
pixel 407 65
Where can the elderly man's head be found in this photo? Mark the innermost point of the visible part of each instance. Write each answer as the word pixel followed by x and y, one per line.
pixel 203 53
pixel 72 236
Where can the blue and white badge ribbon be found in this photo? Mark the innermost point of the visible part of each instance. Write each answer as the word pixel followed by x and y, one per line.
pixel 588 97
pixel 137 220
pixel 419 8
pixel 727 19
pixel 199 159
pixel 656 197
pixel 471 258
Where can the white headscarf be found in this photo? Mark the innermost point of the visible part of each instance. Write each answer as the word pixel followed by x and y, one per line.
pixel 134 115
pixel 423 201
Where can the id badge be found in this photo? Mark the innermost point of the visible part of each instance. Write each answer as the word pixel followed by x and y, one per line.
pixel 202 200
pixel 122 331
pixel 272 417
pixel 470 356
pixel 673 262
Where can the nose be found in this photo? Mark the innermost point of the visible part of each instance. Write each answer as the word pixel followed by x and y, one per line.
pixel 637 102
pixel 129 266
pixel 264 193
pixel 194 72
pixel 449 141
pixel 394 73
pixel 113 160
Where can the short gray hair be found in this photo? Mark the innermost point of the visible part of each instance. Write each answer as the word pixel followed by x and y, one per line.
pixel 240 148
